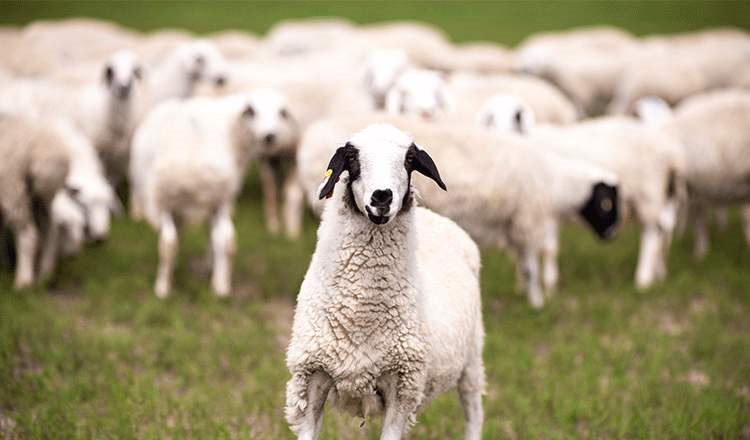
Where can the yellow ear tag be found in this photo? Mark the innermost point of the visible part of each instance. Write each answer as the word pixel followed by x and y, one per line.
pixel 606 205
pixel 329 172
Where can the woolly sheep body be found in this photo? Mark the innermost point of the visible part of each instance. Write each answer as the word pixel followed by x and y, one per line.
pixel 413 319
pixel 35 165
pixel 470 91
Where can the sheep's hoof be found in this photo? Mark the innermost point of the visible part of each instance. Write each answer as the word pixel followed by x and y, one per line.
pixel 23 283
pixel 222 291
pixel 161 289
pixel 536 301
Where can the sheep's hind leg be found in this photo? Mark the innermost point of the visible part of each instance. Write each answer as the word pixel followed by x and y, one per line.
pixel 27 239
pixel 701 233
pixel 315 389
pixel 531 274
pixel 223 249
pixel 270 196
pixel 50 250
pixel 167 254
pixel 470 387
pixel 294 205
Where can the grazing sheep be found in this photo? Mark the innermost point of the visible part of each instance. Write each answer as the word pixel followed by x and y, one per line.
pixel 682 65
pixel 509 204
pixel 713 128
pixel 33 170
pixel 189 160
pixel 389 313
pixel 585 63
pixel 549 105
pixel 650 166
pixel 421 92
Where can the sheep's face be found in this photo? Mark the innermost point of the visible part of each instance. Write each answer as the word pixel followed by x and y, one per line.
pixel 601 209
pixel 270 122
pixel 379 160
pixel 97 206
pixel 652 110
pixel 419 92
pixel 506 114
pixel 121 74
pixel 70 219
pixel 202 61
pixel 382 68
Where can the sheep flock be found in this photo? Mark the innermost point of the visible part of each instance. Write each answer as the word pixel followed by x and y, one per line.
pixel 409 148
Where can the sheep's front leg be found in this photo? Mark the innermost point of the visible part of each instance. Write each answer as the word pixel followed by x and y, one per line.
pixel 294 205
pixel 27 239
pixel 722 218
pixel 550 249
pixel 648 256
pixel 530 265
pixel 701 232
pixel 397 412
pixel 270 195
pixel 50 250
pixel 306 397
pixel 223 248
pixel 746 222
pixel 167 254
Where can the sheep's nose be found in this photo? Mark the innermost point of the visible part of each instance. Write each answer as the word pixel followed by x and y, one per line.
pixel 426 114
pixel 381 198
pixel 220 80
pixel 269 139
pixel 123 90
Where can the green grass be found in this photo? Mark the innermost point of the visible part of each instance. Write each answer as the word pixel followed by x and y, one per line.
pixel 95 355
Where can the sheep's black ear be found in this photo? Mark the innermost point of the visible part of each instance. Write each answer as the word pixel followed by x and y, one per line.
pixel 421 162
pixel 338 163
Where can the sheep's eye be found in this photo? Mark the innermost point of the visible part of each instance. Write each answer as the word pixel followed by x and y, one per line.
pixel 518 117
pixel 284 113
pixel 109 74
pixel 489 120
pixel 249 111
pixel 138 72
pixel 200 60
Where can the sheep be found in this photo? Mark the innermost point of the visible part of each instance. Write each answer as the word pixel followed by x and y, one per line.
pixel 713 131
pixel 681 66
pixel 507 114
pixel 508 206
pixel 34 168
pixel 549 105
pixel 481 57
pixel 382 69
pixel 235 45
pixel 191 156
pixel 389 312
pixel 427 46
pixel 419 91
pixel 650 166
pixel 586 63
pixel 299 37
pixel 104 112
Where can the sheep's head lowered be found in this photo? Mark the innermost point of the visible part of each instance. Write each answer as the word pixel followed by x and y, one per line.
pixel 379 160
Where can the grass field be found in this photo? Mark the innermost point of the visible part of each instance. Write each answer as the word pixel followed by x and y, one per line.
pixel 95 355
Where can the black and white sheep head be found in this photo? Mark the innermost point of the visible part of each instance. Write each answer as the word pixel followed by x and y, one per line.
pixel 202 61
pixel 419 92
pixel 122 72
pixel 270 122
pixel 505 113
pixel 379 160
pixel 601 209
pixel 382 69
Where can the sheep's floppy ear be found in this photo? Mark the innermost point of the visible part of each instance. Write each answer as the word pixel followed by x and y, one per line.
pixel 421 162
pixel 336 166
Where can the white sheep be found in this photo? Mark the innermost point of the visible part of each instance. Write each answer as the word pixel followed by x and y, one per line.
pixel 105 111
pixel 716 141
pixel 382 69
pixel 549 105
pixel 509 204
pixel 189 159
pixel 300 37
pixel 34 167
pixel 586 63
pixel 389 313
pixel 506 113
pixel 421 92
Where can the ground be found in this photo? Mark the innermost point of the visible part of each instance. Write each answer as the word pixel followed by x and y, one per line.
pixel 94 354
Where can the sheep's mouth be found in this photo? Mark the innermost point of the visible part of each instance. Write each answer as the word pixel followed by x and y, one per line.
pixel 377 219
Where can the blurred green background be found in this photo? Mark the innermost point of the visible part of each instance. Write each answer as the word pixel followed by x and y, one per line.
pixel 93 353
pixel 507 22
